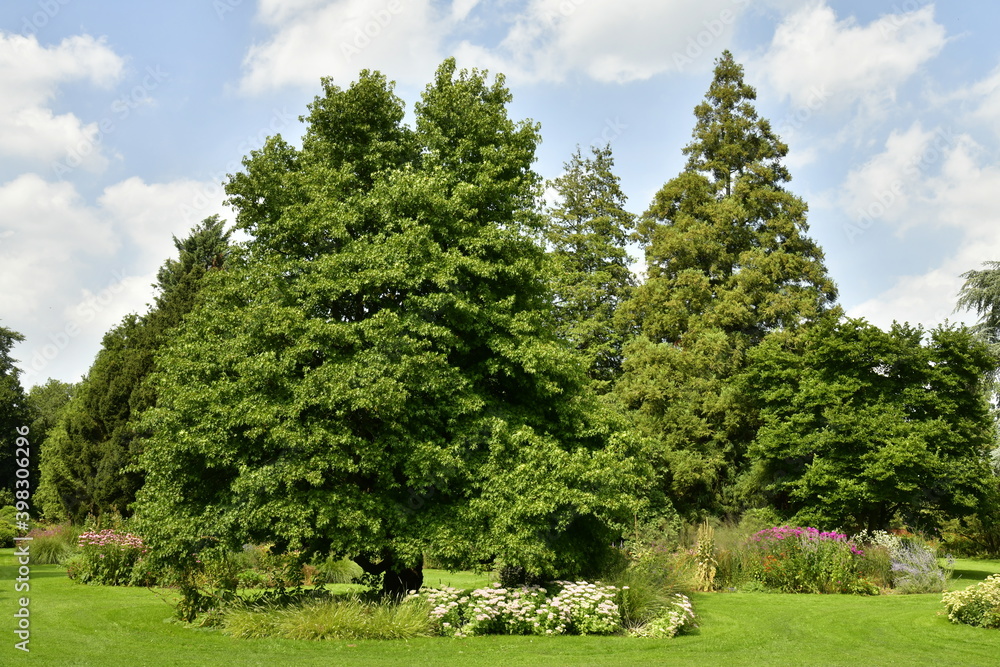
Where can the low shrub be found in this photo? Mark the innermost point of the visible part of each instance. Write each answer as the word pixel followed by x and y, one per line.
pixel 110 558
pixel 977 605
pixel 332 619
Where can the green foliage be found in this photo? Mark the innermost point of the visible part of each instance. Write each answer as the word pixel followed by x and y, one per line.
pixel 728 260
pixel 332 619
pixel 7 529
pixel 587 232
pixel 796 560
pixel 860 427
pixel 14 412
pixel 977 605
pixel 377 375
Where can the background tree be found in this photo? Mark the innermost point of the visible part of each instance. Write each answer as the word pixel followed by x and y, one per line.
pixel 587 232
pixel 377 376
pixel 862 428
pixel 14 412
pixel 727 261
pixel 89 458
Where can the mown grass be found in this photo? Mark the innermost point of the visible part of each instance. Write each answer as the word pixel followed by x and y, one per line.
pixel 92 625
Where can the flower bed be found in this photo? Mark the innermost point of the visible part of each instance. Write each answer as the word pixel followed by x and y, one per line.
pixel 580 608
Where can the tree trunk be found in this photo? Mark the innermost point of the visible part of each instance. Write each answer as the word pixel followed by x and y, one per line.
pixel 397 582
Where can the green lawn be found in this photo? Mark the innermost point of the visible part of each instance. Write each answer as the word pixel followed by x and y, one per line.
pixel 82 625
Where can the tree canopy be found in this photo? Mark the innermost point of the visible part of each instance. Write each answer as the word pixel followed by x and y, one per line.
pixel 378 374
pixel 587 231
pixel 14 412
pixel 727 261
pixel 860 427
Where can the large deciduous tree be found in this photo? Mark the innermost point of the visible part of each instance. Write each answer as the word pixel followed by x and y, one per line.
pixel 860 428
pixel 378 376
pixel 727 261
pixel 587 233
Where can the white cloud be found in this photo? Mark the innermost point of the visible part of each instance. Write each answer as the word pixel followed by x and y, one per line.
pixel 315 38
pixel 625 41
pixel 958 193
pixel 30 76
pixel 72 270
pixel 854 63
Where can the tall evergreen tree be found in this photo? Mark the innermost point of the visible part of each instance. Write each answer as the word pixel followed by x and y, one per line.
pixel 377 377
pixel 14 412
pixel 727 262
pixel 587 232
pixel 88 462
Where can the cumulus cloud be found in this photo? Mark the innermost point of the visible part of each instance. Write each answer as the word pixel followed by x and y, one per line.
pixel 620 42
pixel 89 265
pixel 30 76
pixel 958 194
pixel 316 38
pixel 812 49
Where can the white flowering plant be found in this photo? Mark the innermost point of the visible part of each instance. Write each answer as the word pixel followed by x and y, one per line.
pixel 578 607
pixel 977 605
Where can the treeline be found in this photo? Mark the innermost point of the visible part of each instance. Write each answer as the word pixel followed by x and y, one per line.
pixel 413 354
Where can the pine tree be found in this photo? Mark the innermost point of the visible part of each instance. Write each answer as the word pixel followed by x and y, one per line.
pixel 587 233
pixel 727 262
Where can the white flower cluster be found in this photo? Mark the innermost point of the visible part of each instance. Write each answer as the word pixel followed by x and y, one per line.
pixel 577 608
pixel 977 605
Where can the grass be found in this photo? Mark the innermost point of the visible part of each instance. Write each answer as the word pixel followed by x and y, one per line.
pixel 93 625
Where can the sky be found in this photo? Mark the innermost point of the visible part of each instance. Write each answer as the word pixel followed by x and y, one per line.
pixel 119 122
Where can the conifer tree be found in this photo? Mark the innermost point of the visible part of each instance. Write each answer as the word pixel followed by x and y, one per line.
pixel 727 261
pixel 587 233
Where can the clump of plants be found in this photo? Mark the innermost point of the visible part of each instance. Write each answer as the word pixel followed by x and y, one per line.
pixel 110 557
pixel 793 559
pixel 977 605
pixel 53 545
pixel 349 618
pixel 906 564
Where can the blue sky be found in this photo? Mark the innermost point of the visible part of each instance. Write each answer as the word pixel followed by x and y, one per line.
pixel 119 120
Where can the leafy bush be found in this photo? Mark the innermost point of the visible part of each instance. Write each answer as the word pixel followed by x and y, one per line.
pixel 110 558
pixel 331 619
pixel 977 605
pixel 8 527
